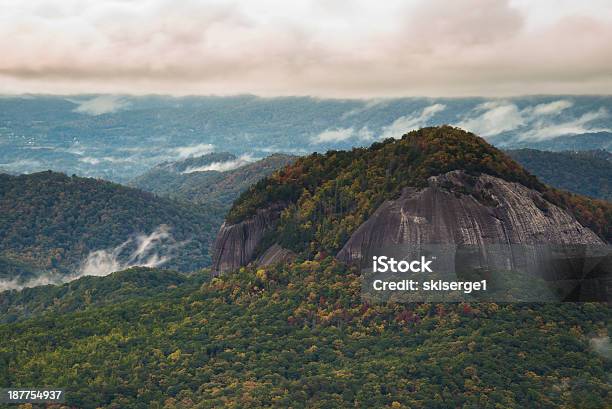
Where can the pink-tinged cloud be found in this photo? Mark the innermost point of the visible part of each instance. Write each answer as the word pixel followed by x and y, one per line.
pixel 326 48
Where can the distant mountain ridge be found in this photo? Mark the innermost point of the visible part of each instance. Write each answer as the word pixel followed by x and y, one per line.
pixel 40 132
pixel 582 142
pixel 584 172
pixel 166 177
pixel 220 185
pixel 194 162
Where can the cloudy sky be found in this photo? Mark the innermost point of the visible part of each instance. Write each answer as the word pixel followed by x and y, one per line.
pixel 339 48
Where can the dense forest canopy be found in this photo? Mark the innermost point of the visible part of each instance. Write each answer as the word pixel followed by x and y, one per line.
pixel 587 173
pixel 299 336
pixel 86 292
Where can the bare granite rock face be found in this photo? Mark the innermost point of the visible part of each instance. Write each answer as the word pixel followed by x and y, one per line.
pixel 463 210
pixel 274 255
pixel 236 243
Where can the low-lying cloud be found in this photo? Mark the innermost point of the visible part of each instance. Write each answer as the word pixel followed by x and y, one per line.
pixel 396 129
pixel 104 104
pixel 602 346
pixel 493 118
pixel 22 165
pixel 411 122
pixel 16 284
pixel 333 135
pixel 552 108
pixel 152 250
pixel 534 123
pixel 143 250
pixel 580 125
pixel 222 166
pixel 343 134
pixel 184 152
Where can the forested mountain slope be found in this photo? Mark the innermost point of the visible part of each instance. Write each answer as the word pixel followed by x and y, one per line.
pixel 89 292
pixel 584 172
pixel 213 179
pixel 300 336
pixel 52 222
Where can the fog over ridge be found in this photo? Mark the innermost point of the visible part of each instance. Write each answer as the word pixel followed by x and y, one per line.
pixel 139 250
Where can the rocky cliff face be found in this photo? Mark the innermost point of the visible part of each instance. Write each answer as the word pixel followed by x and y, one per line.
pixel 455 209
pixel 236 243
pixel 464 210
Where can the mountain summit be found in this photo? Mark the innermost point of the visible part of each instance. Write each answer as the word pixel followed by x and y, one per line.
pixel 437 185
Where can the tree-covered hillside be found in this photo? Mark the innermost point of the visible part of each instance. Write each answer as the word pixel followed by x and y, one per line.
pixel 51 221
pixel 165 178
pixel 10 268
pixel 328 196
pixel 300 336
pixel 584 172
pixel 87 292
pixel 212 184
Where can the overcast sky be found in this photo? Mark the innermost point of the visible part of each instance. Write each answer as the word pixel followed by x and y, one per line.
pixel 337 48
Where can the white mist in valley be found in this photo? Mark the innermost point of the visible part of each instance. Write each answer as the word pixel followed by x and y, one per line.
pixel 140 250
pixel 602 346
pixel 147 251
pixel 222 166
pixel 45 279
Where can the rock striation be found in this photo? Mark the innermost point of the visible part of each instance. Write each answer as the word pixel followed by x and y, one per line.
pixel 471 211
pixel 235 244
pixel 275 254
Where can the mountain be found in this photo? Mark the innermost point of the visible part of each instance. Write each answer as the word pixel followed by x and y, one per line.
pixel 584 172
pixel 452 187
pixel 167 177
pixel 56 227
pixel 300 336
pixel 193 164
pixel 131 134
pixel 216 178
pixel 55 223
pixel 300 333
